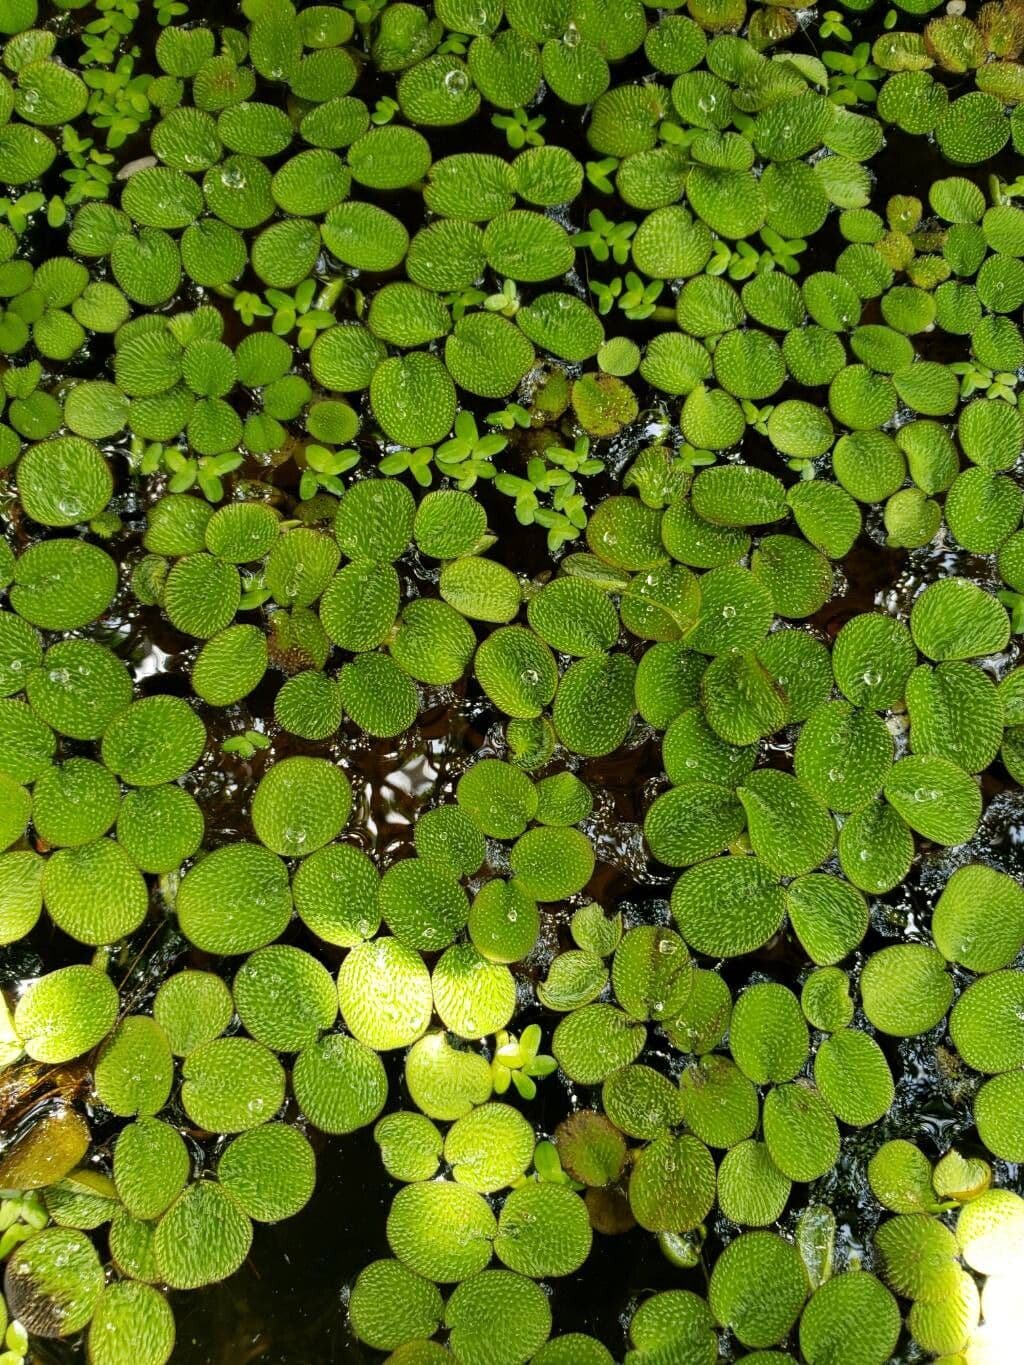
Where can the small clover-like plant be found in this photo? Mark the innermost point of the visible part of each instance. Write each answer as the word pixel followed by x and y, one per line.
pixel 20 1216
pixel 505 301
pixel 467 456
pixel 415 462
pixel 599 173
pixel 975 378
pixel 302 311
pixel 511 416
pixel 855 75
pixel 606 240
pixel 520 129
pixel 250 306
pixel 384 111
pixel 638 299
pixel 832 26
pixel 324 468
pixel 519 1062
pixel 247 745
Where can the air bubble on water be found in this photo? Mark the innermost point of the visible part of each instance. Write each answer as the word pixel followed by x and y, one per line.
pixel 456 82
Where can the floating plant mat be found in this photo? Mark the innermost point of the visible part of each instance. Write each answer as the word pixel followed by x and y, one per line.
pixel 511 711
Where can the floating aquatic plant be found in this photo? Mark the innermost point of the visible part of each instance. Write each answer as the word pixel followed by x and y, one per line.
pixel 348 445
